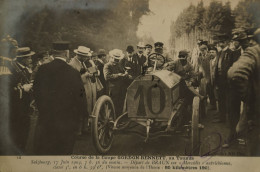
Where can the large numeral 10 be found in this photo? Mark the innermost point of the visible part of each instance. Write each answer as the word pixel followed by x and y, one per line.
pixel 141 106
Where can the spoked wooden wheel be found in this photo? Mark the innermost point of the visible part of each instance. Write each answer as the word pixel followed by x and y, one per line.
pixel 195 131
pixel 102 124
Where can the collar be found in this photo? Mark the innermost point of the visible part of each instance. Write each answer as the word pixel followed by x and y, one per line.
pixel 77 60
pixel 60 58
pixel 24 67
pixel 224 49
pixel 101 61
pixel 139 55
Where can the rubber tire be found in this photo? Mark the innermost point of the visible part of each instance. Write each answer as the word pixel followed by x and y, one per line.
pixel 94 131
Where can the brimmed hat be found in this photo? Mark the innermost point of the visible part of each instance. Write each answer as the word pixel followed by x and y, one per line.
pixel 24 52
pixel 130 49
pixel 84 51
pixel 203 47
pixel 158 44
pixel 212 47
pixel 141 45
pixel 101 52
pixel 42 54
pixel 222 37
pixel 61 45
pixel 257 35
pixel 116 53
pixel 250 32
pixel 148 46
pixel 94 54
pixel 240 36
pixel 182 54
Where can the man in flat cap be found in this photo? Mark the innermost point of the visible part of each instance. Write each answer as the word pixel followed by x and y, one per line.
pixel 158 48
pixel 117 78
pixel 244 72
pixel 61 100
pixel 182 67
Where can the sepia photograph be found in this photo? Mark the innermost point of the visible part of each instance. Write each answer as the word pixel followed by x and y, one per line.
pixel 135 79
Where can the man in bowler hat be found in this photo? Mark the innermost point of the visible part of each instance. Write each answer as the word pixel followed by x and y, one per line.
pixel 61 100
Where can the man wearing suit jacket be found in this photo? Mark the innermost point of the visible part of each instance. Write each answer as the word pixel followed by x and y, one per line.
pixel 222 66
pixel 61 100
pixel 139 60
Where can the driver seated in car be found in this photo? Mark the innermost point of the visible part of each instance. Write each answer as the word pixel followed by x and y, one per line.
pixel 158 48
pixel 159 56
pixel 183 67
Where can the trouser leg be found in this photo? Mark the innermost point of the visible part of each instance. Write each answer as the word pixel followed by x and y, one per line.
pixel 212 98
pixel 234 103
pixel 222 103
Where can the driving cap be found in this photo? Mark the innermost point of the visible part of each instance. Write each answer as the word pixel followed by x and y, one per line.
pixel 257 35
pixel 183 53
pixel 203 47
pixel 101 52
pixel 61 45
pixel 239 36
pixel 250 32
pixel 158 44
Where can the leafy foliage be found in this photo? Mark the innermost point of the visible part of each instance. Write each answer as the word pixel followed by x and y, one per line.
pixel 102 26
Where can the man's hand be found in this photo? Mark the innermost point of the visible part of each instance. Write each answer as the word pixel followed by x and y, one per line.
pixel 121 74
pixel 27 87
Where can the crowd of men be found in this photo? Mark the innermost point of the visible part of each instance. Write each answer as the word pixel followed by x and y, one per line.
pixel 62 91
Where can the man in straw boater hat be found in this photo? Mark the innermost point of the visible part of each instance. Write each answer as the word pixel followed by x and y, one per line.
pixel 116 76
pixel 86 67
pixel 16 77
pixel 21 97
pixel 61 100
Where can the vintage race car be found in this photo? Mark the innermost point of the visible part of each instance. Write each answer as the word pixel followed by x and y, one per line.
pixel 156 101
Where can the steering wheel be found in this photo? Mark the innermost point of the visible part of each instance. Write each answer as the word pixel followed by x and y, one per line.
pixel 157 60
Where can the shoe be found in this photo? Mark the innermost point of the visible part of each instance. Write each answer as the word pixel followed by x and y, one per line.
pixel 241 141
pixel 225 145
